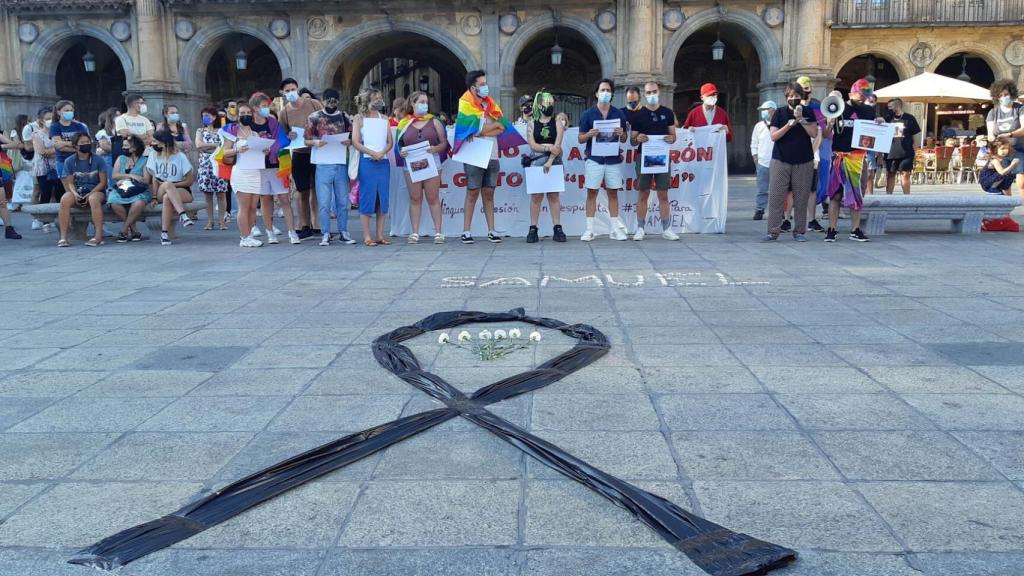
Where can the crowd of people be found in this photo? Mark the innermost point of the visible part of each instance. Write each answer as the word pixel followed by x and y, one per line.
pixel 804 157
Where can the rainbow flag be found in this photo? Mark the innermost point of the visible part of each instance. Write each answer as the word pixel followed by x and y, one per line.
pixel 6 169
pixel 284 155
pixel 470 119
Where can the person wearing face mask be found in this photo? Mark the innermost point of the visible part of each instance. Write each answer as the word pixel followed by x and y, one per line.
pixel 899 162
pixel 134 121
pixel 63 131
pixel 1006 120
pixel 633 103
pixel 709 113
pixel 173 124
pixel 544 135
pixel 212 186
pixel 228 114
pixel 332 181
pixel 653 120
pixel 761 145
pixel 374 166
pixel 603 171
pixel 846 183
pixel 170 176
pixel 793 129
pixel 416 129
pixel 295 114
pixel 399 110
pixel 85 186
pixel 525 114
pixel 481 117
pixel 130 193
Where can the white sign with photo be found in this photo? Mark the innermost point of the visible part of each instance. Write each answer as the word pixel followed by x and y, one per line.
pixel 654 158
pixel 867 135
pixel 606 143
pixel 419 163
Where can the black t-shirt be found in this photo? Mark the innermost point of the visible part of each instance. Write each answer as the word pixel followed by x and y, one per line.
pixel 903 142
pixel 653 122
pixel 796 146
pixel 842 141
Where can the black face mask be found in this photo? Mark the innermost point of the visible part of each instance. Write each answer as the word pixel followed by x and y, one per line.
pixel 85 148
pixel 377 106
pixel 527 109
pixel 246 120
pixel 793 102
pixel 547 110
pixel 158 148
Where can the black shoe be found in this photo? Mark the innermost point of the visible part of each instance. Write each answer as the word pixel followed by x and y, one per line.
pixel 136 236
pixel 558 235
pixel 814 226
pixel 305 232
pixel 122 238
pixel 11 234
pixel 758 214
pixel 859 236
pixel 531 236
pixel 493 238
pixel 467 238
pixel 830 236
pixel 787 225
pixel 315 232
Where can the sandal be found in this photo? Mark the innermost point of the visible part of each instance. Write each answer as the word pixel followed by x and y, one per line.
pixel 369 242
pixel 223 226
pixel 413 238
pixel 62 244
pixel 438 238
pixel 209 226
pixel 92 243
pixel 384 242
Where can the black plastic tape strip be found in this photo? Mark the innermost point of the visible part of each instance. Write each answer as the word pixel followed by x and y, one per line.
pixel 717 550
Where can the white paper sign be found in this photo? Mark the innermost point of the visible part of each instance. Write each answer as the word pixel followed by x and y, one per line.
pixel 255 157
pixel 419 163
pixel 299 141
pixel 476 152
pixel 654 159
pixel 606 143
pixel 375 134
pixel 870 136
pixel 539 182
pixel 332 152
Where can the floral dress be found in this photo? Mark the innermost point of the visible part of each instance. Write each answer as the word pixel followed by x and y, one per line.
pixel 209 183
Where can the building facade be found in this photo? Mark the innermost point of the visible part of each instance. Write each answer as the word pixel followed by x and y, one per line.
pixel 194 52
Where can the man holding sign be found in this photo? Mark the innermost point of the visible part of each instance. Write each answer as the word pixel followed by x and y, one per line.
pixel 480 121
pixel 332 183
pixel 603 167
pixel 654 128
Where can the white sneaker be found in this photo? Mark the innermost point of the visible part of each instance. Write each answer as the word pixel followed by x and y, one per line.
pixel 276 231
pixel 47 228
pixel 639 234
pixel 617 234
pixel 271 238
pixel 326 240
pixel 587 236
pixel 259 212
pixel 279 212
pixel 249 242
pixel 618 225
pixel 293 237
pixel 669 235
pixel 37 225
pixel 185 220
pixel 256 232
pixel 345 238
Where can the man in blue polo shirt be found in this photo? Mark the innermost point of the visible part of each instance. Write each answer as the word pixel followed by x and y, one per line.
pixel 606 170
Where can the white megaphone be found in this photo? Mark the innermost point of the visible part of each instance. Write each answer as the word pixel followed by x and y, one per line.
pixel 832 107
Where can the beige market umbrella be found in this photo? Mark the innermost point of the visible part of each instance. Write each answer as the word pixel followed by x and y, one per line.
pixel 934 89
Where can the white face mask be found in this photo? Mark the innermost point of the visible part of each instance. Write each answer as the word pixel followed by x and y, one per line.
pixel 143 108
pixel 291 96
pixel 710 100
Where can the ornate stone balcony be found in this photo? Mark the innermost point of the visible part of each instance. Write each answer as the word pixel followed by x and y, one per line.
pixel 56 7
pixel 926 13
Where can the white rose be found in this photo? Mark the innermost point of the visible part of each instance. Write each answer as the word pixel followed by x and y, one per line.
pixel 443 338
pixel 484 335
pixel 534 336
pixel 464 336
pixel 515 333
pixel 500 335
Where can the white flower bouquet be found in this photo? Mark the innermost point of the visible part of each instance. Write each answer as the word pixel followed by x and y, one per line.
pixel 491 345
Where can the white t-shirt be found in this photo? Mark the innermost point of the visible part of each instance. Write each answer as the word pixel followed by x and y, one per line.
pixel 30 129
pixel 137 125
pixel 169 169
pixel 487 121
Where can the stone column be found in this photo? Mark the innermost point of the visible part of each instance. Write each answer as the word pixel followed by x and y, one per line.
pixel 638 44
pixel 808 42
pixel 151 64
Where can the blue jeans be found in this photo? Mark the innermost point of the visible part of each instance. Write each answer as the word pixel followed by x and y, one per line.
pixel 332 195
pixel 762 187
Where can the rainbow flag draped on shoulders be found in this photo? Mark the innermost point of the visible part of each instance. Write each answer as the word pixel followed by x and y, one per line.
pixel 470 120
pixel 279 149
pixel 403 124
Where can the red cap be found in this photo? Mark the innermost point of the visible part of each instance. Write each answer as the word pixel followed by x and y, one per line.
pixel 708 89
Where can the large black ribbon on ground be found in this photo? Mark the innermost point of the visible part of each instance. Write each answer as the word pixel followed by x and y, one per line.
pixel 717 550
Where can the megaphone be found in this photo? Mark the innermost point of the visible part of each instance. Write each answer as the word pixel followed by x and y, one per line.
pixel 832 107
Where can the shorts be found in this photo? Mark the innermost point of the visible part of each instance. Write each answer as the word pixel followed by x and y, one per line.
pixel 264 182
pixel 302 171
pixel 1019 168
pixel 893 165
pixel 645 181
pixel 595 174
pixel 477 177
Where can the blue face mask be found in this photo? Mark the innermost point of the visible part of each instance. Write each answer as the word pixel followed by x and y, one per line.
pixel 175 118
pixel 1005 100
pixel 422 109
pixel 67 116
pixel 604 97
pixel 652 99
pixel 484 91
pixel 765 115
pixel 291 96
pixel 265 112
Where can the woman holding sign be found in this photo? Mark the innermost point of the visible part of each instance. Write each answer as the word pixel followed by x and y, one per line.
pixel 544 136
pixel 371 135
pixel 420 145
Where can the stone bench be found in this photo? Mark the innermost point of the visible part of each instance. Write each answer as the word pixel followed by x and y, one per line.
pixel 81 218
pixel 966 212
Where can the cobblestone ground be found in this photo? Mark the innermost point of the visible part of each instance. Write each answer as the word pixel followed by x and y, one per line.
pixel 862 403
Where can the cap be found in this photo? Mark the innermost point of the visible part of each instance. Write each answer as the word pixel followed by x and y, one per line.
pixel 861 86
pixel 525 99
pixel 768 105
pixel 708 89
pixel 804 81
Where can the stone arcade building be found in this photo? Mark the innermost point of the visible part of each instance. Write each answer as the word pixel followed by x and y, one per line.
pixel 191 52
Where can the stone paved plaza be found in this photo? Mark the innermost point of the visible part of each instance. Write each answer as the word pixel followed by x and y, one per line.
pixel 861 403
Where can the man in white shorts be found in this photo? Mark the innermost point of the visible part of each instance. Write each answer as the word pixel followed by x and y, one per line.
pixel 606 170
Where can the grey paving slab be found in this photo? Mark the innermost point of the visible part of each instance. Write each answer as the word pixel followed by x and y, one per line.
pixel 722 412
pixel 969 564
pixel 41 456
pixel 785 355
pixel 198 358
pixel 627 455
pixel 35 562
pixel 594 412
pixel 432 513
pixel 760 455
pixel 91 357
pixel 830 334
pixel 814 563
pixel 164 456
pixel 269 448
pixel 438 454
pixel 226 563
pixel 890 355
pixel 853 412
pixel 15 359
pixel 14 495
pixel 46 383
pixel 903 455
pixel 815 380
pixel 92 415
pixel 933 379
pixel 146 384
pixel 78 514
pixel 608 562
pixel 221 414
pixel 338 413
pixel 700 379
pixel 423 562
pixel 342 381
pixel 1011 377
pixel 951 516
pixel 256 382
pixel 983 353
pixel 1004 450
pixel 820 515
pixel 971 411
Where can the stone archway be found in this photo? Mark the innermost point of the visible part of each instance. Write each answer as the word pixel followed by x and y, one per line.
pixel 900 61
pixel 40 62
pixel 539 24
pixel 197 53
pixel 992 56
pixel 886 71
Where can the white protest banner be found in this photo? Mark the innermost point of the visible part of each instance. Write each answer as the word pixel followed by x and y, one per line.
pixel 867 135
pixel 698 192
